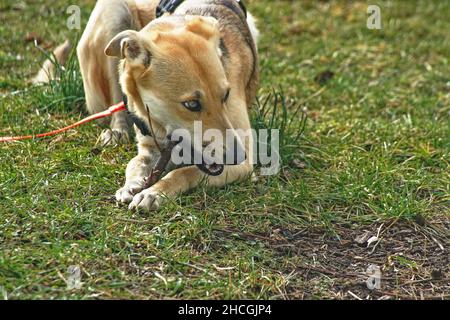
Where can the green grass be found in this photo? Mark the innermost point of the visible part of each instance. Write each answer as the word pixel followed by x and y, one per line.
pixel 375 149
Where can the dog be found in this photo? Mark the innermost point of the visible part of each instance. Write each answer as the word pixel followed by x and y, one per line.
pixel 197 62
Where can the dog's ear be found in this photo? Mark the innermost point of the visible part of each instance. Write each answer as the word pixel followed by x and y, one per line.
pixel 128 45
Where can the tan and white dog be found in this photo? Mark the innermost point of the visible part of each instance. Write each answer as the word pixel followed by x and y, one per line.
pixel 198 63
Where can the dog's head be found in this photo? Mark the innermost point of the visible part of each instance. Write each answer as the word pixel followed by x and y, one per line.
pixel 173 67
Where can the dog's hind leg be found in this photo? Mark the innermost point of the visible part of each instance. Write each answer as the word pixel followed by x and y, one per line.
pixel 120 124
pixel 100 73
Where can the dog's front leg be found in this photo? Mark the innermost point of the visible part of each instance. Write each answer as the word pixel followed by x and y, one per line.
pixel 138 169
pixel 182 180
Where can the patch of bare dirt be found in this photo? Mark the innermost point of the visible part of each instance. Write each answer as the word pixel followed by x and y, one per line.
pixel 391 260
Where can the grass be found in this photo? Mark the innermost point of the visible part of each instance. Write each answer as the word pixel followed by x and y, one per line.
pixel 374 153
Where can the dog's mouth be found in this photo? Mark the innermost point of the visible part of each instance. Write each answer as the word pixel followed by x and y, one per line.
pixel 214 165
pixel 210 162
pixel 210 166
pixel 213 169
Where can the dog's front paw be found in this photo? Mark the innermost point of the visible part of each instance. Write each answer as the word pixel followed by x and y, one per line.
pixel 114 137
pixel 146 201
pixel 128 191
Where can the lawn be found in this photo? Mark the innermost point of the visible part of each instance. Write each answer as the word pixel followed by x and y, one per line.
pixel 372 162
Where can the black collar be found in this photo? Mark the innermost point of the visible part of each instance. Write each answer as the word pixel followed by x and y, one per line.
pixel 169 6
pixel 137 121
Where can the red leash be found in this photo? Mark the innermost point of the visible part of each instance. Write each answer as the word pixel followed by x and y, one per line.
pixel 113 109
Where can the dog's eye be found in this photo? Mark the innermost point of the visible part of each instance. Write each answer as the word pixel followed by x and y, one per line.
pixel 227 95
pixel 192 105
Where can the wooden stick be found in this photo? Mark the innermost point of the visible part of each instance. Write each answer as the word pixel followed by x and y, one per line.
pixel 149 118
pixel 160 166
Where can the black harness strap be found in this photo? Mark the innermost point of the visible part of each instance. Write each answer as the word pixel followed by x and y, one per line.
pixel 169 6
pixel 243 7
